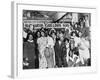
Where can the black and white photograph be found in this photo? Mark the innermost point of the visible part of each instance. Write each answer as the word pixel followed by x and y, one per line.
pixel 52 40
pixel 55 39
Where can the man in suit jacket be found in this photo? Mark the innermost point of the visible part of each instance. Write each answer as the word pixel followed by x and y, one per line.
pixel 60 52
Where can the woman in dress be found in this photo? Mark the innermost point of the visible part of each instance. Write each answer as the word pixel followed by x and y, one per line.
pixel 29 52
pixel 42 42
pixel 49 52
pixel 84 50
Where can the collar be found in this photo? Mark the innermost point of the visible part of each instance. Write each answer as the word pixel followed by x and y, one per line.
pixel 30 40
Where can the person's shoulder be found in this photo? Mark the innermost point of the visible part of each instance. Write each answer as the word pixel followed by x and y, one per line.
pixel 38 40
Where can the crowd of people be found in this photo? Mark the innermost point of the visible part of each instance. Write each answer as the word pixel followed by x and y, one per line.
pixel 56 47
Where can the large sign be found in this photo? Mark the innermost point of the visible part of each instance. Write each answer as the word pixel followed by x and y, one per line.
pixel 48 25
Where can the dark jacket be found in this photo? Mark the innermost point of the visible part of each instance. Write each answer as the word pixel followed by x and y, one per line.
pixel 60 49
pixel 29 50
